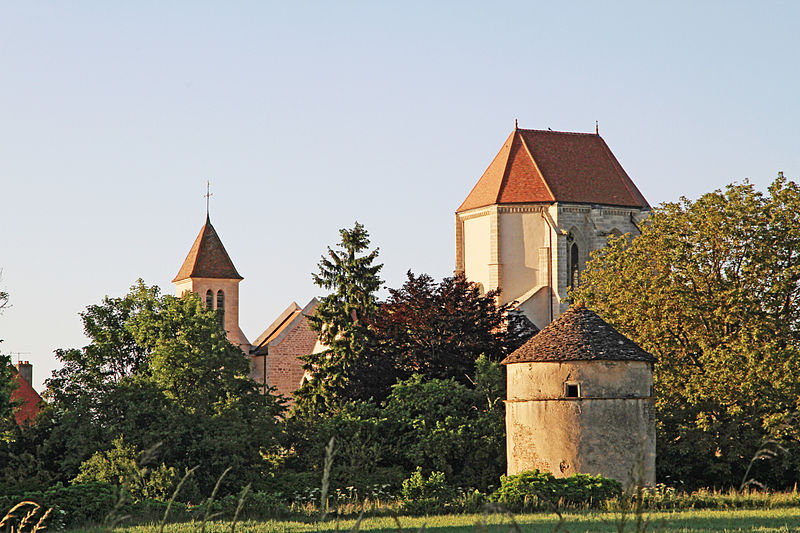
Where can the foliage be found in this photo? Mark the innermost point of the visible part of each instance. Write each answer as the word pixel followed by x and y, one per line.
pixel 7 407
pixel 425 495
pixel 534 489
pixel 157 369
pixel 366 450
pixel 437 331
pixel 122 466
pixel 445 426
pixel 72 505
pixel 342 320
pixel 712 289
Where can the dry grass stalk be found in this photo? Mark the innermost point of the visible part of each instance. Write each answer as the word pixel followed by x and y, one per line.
pixel 210 502
pixel 239 506
pixel 40 524
pixel 326 478
pixel 27 519
pixel 174 495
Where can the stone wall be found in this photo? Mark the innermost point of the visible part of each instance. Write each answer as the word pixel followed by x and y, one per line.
pixel 609 429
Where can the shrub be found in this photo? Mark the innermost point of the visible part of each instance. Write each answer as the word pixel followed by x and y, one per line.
pixel 74 505
pixel 422 496
pixel 120 466
pixel 534 489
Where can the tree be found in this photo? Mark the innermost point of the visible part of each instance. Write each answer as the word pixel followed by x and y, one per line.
pixel 7 386
pixel 712 288
pixel 158 369
pixel 437 331
pixel 341 319
pixel 448 427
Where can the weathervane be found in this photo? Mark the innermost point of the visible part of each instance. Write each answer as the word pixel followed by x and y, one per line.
pixel 208 196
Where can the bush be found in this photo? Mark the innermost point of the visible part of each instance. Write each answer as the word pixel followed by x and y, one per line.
pixel 74 505
pixel 120 466
pixel 423 496
pixel 534 489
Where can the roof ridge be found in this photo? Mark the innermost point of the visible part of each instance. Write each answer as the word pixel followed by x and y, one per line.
pixel 536 166
pixel 561 132
pixel 478 183
pixel 507 168
pixel 628 183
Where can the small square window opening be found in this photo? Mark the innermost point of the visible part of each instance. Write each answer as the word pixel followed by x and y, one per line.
pixel 572 390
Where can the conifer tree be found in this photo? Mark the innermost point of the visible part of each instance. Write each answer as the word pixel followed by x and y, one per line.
pixel 341 319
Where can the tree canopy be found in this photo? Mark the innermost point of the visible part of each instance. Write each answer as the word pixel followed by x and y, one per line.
pixel 711 288
pixel 341 319
pixel 157 369
pixel 437 330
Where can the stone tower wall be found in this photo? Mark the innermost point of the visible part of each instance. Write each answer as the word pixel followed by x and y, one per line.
pixel 608 430
pixel 230 288
pixel 522 249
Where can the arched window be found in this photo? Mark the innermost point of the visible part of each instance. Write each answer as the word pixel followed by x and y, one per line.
pixel 573 262
pixel 209 299
pixel 221 307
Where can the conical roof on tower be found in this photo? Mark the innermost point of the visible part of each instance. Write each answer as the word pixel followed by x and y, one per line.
pixel 537 166
pixel 207 258
pixel 578 335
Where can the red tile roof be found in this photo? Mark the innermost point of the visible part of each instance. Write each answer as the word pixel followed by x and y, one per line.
pixel 207 258
pixel 30 399
pixel 536 166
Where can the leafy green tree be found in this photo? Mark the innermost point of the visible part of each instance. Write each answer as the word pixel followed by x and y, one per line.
pixel 447 427
pixel 7 407
pixel 342 320
pixel 712 289
pixel 158 369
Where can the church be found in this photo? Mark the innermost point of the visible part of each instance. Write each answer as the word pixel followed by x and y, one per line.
pixel 527 227
pixel 580 395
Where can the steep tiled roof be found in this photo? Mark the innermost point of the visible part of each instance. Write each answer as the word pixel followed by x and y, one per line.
pixel 284 322
pixel 578 335
pixel 28 397
pixel 207 258
pixel 536 166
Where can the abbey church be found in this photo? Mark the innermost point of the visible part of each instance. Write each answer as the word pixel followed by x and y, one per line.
pixel 546 201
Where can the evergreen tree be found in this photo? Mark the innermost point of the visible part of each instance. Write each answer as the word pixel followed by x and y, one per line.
pixel 342 320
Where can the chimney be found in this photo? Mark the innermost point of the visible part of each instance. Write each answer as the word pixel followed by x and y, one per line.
pixel 25 369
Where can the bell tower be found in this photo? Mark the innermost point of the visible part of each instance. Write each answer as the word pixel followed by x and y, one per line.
pixel 209 272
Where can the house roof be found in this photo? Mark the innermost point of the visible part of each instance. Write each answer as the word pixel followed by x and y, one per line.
pixel 207 258
pixel 536 166
pixel 285 322
pixel 578 335
pixel 29 399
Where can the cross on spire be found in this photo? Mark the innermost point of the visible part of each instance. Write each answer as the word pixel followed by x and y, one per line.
pixel 208 196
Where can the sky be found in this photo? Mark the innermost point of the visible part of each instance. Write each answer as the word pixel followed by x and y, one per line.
pixel 308 116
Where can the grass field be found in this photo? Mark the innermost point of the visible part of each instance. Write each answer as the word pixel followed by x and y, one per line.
pixel 763 520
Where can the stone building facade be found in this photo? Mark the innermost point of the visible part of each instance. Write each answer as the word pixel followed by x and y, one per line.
pixel 546 201
pixel 580 400
pixel 275 355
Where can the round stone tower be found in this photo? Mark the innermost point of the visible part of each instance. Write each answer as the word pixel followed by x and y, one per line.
pixel 580 400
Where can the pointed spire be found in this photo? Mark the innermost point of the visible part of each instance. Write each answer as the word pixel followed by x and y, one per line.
pixel 516 125
pixel 596 127
pixel 207 258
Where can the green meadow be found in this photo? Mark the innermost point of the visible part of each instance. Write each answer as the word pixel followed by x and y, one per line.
pixel 694 521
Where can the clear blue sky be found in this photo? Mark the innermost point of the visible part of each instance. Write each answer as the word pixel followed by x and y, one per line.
pixel 307 116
